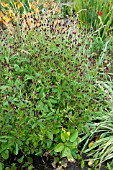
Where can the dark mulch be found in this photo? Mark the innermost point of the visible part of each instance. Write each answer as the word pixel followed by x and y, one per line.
pixel 42 163
pixel 76 166
pixel 45 163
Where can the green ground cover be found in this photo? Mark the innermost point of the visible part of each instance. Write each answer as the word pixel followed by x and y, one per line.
pixel 56 87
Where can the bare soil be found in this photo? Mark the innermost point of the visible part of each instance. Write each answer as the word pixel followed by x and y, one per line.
pixel 45 163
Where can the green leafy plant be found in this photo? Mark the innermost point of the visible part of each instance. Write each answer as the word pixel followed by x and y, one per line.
pixel 102 149
pixel 96 15
pixel 69 143
pixel 48 88
pixel 110 165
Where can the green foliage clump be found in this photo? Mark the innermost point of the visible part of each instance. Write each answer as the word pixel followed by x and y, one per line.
pixel 102 149
pixel 49 89
pixel 93 14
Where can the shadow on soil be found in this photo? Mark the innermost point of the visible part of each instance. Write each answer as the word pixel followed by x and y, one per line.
pixel 44 163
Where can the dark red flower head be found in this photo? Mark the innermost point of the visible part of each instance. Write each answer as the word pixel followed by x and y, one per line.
pixel 100 13
pixel 109 4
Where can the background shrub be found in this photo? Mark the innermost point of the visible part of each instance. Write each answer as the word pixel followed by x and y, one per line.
pixel 102 148
pixel 49 90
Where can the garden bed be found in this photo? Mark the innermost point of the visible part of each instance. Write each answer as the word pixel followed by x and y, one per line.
pixel 46 163
pixel 56 89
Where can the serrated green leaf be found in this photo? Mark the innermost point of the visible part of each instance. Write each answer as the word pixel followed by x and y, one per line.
pixel 30 159
pixel 13 166
pixel 4 87
pixel 30 167
pixel 55 131
pixel 35 144
pixel 74 136
pixel 59 147
pixel 7 168
pixel 34 125
pixel 56 160
pixel 72 145
pixel 5 154
pixel 39 153
pixel 42 126
pixel 74 154
pixel 50 135
pixel 82 164
pixel 67 153
pixel 16 149
pixel 1 166
pixel 3 141
pixel 49 143
pixel 63 137
pixel 20 160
